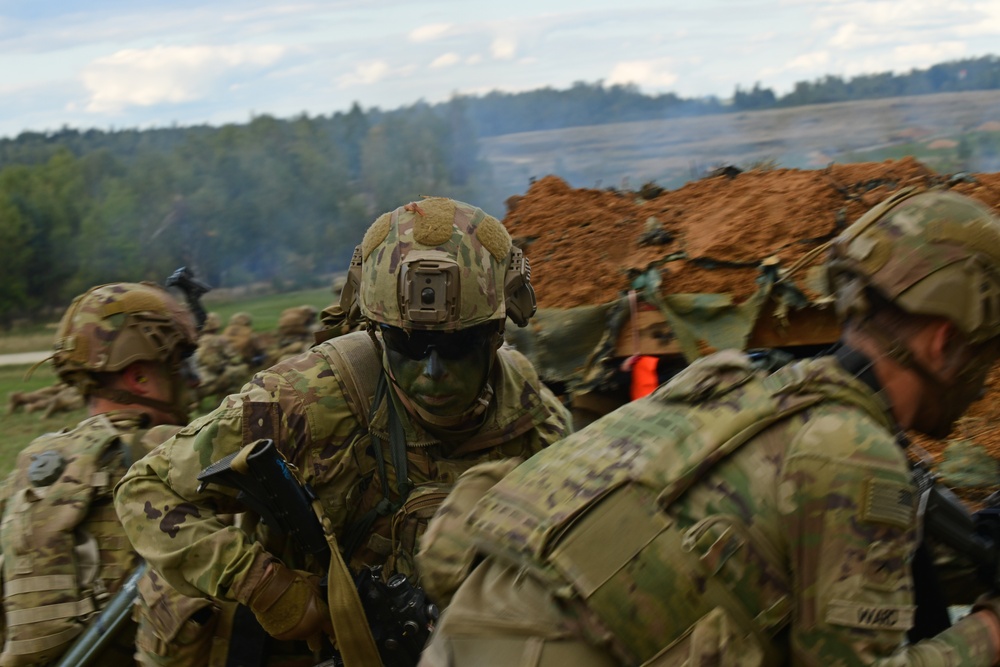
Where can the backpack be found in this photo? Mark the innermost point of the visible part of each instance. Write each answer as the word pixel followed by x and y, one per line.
pixel 64 551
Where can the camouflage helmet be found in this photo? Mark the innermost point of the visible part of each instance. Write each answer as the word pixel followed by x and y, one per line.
pixel 931 253
pixel 438 264
pixel 111 326
pixel 212 323
pixel 241 319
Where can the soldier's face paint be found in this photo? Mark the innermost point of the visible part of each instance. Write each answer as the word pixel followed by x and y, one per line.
pixel 443 373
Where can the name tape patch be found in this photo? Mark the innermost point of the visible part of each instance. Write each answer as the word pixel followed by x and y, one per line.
pixel 872 617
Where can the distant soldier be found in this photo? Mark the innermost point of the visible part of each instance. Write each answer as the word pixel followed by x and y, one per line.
pixel 241 336
pixel 66 399
pixel 31 401
pixel 295 331
pixel 221 369
pixel 126 348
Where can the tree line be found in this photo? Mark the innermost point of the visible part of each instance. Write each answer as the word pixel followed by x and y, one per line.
pixel 270 200
pixel 287 200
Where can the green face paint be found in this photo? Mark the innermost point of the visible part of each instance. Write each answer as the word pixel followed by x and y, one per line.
pixel 449 375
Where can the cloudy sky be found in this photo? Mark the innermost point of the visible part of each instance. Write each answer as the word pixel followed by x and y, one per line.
pixel 137 63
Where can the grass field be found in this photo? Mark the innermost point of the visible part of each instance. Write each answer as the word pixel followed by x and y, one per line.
pixel 20 428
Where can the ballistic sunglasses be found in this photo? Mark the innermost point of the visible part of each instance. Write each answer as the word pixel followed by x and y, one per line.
pixel 418 344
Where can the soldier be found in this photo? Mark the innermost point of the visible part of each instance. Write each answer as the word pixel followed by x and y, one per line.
pixel 735 517
pixel 295 331
pixel 126 347
pixel 221 370
pixel 379 422
pixel 241 336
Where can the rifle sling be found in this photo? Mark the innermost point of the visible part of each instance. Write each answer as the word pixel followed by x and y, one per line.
pixel 354 640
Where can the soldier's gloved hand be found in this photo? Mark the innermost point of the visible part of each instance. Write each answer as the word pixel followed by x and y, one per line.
pixel 288 605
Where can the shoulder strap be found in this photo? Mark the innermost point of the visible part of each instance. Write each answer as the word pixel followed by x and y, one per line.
pixel 356 361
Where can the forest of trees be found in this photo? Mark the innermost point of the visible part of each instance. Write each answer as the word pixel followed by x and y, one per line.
pixel 286 200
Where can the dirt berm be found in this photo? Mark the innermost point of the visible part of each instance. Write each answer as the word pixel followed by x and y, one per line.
pixel 711 236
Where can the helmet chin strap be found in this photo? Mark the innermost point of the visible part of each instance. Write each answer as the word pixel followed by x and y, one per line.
pixel 176 407
pixel 128 398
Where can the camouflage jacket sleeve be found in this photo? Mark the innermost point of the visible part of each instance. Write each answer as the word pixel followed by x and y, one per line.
pixel 177 528
pixel 850 510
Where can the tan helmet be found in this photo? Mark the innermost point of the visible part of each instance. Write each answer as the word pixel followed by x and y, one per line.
pixel 111 326
pixel 929 252
pixel 241 319
pixel 212 323
pixel 438 264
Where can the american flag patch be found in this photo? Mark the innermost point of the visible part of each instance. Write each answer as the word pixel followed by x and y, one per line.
pixel 888 502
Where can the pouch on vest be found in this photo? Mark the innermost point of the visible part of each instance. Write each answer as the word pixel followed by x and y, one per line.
pixel 64 550
pixel 409 523
pixel 178 630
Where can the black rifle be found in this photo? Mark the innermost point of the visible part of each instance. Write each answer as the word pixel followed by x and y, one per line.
pixel 975 535
pixel 398 612
pixel 184 280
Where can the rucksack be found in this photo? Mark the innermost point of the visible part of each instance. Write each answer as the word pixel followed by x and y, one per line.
pixel 64 551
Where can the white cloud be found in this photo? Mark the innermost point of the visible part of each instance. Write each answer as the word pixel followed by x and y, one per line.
pixel 365 74
pixel 503 48
pixel 644 73
pixel 445 60
pixel 848 36
pixel 474 59
pixel 430 32
pixel 168 74
pixel 809 61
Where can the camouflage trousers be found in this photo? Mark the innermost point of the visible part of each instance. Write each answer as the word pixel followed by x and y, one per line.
pixel 504 616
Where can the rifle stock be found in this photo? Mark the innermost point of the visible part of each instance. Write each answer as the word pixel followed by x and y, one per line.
pixel 102 630
pixel 397 612
pixel 974 535
pixel 268 487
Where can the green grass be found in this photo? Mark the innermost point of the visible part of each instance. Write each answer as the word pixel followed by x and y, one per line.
pixel 266 309
pixel 21 428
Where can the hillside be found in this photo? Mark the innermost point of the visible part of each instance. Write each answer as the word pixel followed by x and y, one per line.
pixel 672 151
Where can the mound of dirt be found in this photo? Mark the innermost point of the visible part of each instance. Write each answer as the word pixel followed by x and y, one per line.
pixel 711 235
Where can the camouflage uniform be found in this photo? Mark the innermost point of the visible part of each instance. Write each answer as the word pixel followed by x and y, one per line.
pixel 103 332
pixel 221 370
pixel 124 441
pixel 241 336
pixel 305 404
pixel 732 517
pixel 295 331
pixel 791 550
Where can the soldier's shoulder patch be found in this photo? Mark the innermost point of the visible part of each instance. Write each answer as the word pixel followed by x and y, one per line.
pixel 870 616
pixel 886 501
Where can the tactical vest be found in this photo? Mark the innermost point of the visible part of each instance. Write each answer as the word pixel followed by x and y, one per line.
pixel 64 551
pixel 391 539
pixel 591 514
